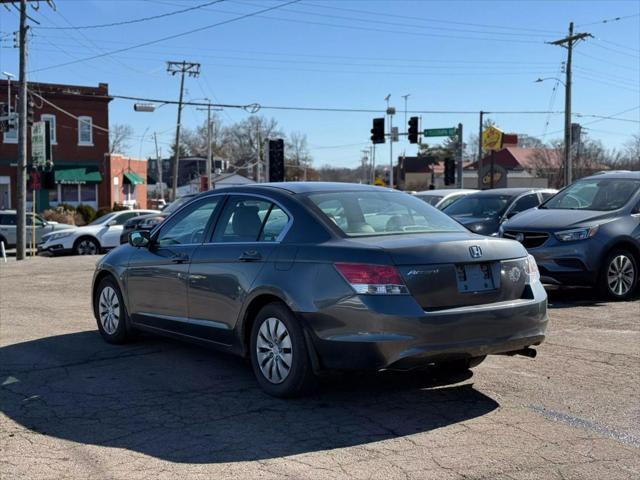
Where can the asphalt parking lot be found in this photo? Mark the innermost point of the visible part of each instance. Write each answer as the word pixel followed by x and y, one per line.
pixel 73 406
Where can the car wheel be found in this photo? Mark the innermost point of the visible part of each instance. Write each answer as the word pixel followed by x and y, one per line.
pixel 110 313
pixel 86 246
pixel 279 354
pixel 619 275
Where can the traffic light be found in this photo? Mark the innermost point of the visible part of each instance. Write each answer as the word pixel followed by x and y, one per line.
pixel 413 130
pixel 30 114
pixel 276 160
pixel 449 171
pixel 377 132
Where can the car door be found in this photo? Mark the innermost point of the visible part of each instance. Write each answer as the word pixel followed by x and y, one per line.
pixel 8 223
pixel 41 227
pixel 222 271
pixel 157 276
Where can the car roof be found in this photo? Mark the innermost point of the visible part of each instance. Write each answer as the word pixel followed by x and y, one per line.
pixel 510 191
pixel 633 175
pixel 446 191
pixel 305 187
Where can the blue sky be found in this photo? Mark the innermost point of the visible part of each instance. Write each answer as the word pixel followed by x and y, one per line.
pixel 448 55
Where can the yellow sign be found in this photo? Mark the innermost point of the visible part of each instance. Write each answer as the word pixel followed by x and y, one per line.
pixel 492 139
pixel 379 182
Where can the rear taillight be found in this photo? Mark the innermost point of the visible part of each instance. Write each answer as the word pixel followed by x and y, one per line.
pixel 368 279
pixel 531 269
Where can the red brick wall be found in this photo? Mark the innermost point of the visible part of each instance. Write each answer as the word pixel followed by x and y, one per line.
pixel 77 100
pixel 116 166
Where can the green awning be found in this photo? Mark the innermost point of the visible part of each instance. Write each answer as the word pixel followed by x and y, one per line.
pixel 79 175
pixel 133 178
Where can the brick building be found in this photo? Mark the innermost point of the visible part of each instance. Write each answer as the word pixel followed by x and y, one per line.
pixel 78 117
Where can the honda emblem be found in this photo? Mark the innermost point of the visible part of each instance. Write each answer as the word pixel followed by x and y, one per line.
pixel 475 251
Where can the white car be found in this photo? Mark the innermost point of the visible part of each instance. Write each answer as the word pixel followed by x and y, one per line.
pixel 101 234
pixel 443 197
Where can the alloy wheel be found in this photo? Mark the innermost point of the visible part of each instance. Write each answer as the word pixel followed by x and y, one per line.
pixel 109 310
pixel 620 275
pixel 274 350
pixel 87 247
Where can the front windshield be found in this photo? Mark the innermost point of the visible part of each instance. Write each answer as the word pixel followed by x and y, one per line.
pixel 430 199
pixel 479 206
pixel 173 206
pixel 103 219
pixel 369 213
pixel 594 194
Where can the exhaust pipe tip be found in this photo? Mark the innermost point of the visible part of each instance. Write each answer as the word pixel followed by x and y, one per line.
pixel 525 352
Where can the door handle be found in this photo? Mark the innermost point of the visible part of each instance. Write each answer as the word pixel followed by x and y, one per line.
pixel 250 256
pixel 180 258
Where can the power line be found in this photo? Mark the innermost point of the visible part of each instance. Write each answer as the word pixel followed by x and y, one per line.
pixel 169 37
pixel 137 20
pixel 609 20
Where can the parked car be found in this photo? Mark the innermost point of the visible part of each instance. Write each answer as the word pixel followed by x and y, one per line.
pixel 9 220
pixel 442 198
pixel 310 276
pixel 588 234
pixel 483 212
pixel 147 222
pixel 100 235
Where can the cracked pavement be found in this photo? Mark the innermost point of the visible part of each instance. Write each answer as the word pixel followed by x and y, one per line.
pixel 72 406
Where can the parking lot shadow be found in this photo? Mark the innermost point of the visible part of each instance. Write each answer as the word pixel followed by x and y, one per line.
pixel 567 297
pixel 187 404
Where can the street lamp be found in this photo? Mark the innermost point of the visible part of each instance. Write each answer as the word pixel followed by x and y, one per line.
pixel 540 80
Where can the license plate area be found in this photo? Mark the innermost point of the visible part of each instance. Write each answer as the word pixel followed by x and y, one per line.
pixel 475 277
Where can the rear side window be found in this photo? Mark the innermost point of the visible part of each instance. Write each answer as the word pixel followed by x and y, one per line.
pixel 249 219
pixel 8 219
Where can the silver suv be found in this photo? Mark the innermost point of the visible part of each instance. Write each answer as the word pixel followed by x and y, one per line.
pixel 9 221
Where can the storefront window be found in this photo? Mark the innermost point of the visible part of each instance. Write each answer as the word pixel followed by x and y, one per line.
pixel 88 193
pixel 69 193
pixel 53 196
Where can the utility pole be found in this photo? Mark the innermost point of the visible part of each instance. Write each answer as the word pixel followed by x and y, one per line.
pixel 193 70
pixel 480 150
pixel 459 155
pixel 21 227
pixel 208 169
pixel 159 166
pixel 568 43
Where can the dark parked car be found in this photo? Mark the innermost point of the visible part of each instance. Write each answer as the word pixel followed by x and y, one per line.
pixel 588 234
pixel 306 277
pixel 484 211
pixel 147 222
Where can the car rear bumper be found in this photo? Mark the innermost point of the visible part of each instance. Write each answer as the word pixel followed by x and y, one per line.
pixel 363 333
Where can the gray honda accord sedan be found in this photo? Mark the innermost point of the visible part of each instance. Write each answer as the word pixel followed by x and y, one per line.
pixel 303 278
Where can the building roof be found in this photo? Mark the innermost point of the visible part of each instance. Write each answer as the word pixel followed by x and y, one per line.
pixel 518 158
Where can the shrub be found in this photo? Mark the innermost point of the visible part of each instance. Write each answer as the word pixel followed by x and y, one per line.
pixel 66 206
pixel 60 214
pixel 101 212
pixel 87 213
pixel 117 207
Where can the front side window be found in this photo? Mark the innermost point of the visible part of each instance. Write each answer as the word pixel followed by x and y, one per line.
pixel 50 120
pixel 85 131
pixel 430 199
pixel 602 194
pixel 190 225
pixel 381 213
pixel 525 203
pixel 248 219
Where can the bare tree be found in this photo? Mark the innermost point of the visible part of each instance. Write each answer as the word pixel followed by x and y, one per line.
pixel 119 135
pixel 297 156
pixel 245 141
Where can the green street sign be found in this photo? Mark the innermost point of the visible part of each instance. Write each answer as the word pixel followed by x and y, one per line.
pixel 438 132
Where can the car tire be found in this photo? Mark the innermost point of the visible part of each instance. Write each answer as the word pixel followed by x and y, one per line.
pixel 619 275
pixel 279 355
pixel 86 246
pixel 111 314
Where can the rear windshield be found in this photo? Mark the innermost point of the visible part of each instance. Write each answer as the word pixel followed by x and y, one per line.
pixel 594 194
pixel 430 199
pixel 480 206
pixel 381 213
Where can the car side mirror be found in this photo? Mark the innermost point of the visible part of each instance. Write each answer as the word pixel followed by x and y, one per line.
pixel 112 223
pixel 140 239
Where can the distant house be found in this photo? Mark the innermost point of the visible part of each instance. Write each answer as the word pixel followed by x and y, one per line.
pixel 229 180
pixel 416 173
